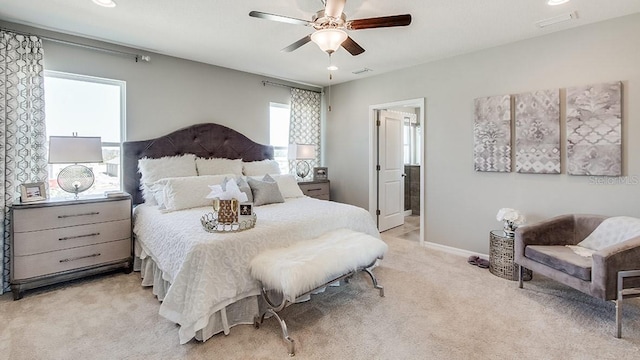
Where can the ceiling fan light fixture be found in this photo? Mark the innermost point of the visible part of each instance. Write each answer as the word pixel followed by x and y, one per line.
pixel 105 3
pixel 329 40
pixel 332 68
pixel 556 2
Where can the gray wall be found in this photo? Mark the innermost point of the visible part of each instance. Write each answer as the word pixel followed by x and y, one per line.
pixel 461 204
pixel 169 93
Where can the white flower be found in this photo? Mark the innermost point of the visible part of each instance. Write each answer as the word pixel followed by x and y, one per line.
pixel 510 215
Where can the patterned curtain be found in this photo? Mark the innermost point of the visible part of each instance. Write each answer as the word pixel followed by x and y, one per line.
pixel 304 126
pixel 23 145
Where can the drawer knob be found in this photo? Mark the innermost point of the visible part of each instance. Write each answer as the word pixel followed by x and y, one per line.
pixel 78 236
pixel 83 214
pixel 79 257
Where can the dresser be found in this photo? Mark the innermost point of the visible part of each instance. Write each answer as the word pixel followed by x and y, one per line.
pixel 58 240
pixel 318 189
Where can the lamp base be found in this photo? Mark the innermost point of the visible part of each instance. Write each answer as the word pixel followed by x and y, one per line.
pixel 75 179
pixel 302 169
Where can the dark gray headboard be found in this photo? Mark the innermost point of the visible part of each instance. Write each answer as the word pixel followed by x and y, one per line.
pixel 204 140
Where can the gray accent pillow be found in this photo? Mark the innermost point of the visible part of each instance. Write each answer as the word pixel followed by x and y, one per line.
pixel 242 185
pixel 266 191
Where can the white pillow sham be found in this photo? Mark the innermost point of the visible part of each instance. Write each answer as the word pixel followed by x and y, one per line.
pixel 152 170
pixel 218 166
pixel 288 185
pixel 180 193
pixel 260 168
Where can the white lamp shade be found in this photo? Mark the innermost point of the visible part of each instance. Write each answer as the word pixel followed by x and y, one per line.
pixel 74 150
pixel 329 40
pixel 302 152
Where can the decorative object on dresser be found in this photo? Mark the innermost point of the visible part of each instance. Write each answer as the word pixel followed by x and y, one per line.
pixel 58 240
pixel 316 189
pixel 31 192
pixel 302 152
pixel 75 150
pixel 320 173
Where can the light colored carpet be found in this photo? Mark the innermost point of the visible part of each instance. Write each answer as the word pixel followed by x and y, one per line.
pixel 436 307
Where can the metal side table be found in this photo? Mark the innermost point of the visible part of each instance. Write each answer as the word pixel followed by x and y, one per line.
pixel 501 255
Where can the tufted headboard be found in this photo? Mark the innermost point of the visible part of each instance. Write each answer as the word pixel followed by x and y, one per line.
pixel 204 140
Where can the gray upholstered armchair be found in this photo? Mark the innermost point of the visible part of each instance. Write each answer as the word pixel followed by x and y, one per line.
pixel 541 248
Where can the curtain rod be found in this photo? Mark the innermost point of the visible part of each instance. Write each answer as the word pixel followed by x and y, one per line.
pixel 136 57
pixel 266 82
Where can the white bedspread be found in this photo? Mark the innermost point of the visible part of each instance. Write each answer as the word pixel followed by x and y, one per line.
pixel 209 271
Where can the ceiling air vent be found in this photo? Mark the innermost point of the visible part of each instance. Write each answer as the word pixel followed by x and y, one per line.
pixel 557 19
pixel 362 71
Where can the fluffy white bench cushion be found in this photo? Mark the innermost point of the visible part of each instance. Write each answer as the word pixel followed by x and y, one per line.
pixel 308 264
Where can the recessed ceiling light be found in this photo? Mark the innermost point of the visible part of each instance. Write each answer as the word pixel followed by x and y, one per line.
pixel 332 68
pixel 105 3
pixel 556 2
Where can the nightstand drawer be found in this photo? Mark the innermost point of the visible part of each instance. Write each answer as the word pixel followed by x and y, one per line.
pixel 51 217
pixel 35 242
pixel 316 190
pixel 25 267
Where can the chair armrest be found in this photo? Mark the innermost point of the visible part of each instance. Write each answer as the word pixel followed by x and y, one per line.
pixel 608 261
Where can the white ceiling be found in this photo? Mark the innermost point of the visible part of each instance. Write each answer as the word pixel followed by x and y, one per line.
pixel 222 33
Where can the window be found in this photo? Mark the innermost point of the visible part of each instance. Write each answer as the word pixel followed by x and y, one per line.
pixel 411 140
pixel 279 134
pixel 88 106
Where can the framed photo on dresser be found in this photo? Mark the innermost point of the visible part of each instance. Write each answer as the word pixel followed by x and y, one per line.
pixel 320 173
pixel 30 192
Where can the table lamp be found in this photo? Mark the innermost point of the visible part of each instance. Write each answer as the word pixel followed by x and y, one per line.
pixel 302 152
pixel 75 150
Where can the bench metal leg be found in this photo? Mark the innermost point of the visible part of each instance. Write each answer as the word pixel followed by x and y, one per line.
pixel 291 344
pixel 375 281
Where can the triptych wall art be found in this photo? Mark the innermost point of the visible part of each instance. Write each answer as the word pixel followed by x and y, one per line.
pixel 593 128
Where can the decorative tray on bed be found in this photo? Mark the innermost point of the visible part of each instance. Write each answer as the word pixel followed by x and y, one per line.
pixel 210 223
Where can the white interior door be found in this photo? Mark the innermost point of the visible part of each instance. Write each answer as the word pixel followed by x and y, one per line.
pixel 391 174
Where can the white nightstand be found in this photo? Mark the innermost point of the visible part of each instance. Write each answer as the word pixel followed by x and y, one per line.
pixel 59 240
pixel 319 189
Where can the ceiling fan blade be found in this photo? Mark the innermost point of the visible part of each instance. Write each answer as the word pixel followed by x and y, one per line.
pixel 297 44
pixel 352 47
pixel 334 8
pixel 273 17
pixel 379 22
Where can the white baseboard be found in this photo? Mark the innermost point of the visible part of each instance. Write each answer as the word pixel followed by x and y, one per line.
pixel 408 213
pixel 452 250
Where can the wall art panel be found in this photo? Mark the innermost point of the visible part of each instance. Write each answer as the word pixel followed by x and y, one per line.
pixel 537 117
pixel 492 134
pixel 594 129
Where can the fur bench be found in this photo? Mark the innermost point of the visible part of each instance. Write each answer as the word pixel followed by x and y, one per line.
pixel 302 268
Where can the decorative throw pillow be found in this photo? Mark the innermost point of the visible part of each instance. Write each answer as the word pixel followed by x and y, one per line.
pixel 180 193
pixel 217 166
pixel 266 191
pixel 288 186
pixel 611 231
pixel 152 170
pixel 259 168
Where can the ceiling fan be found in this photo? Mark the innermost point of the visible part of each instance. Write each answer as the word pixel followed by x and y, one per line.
pixel 330 24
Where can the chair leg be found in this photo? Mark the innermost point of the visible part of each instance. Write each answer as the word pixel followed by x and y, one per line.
pixel 520 271
pixel 618 317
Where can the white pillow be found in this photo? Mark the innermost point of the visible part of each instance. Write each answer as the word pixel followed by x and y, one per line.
pixel 180 193
pixel 218 166
pixel 288 186
pixel 152 170
pixel 260 168
pixel 611 231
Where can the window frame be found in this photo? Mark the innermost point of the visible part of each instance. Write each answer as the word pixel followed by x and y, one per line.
pixel 123 105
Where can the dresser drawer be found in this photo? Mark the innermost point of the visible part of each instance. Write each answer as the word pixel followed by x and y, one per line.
pixel 51 217
pixel 25 267
pixel 316 190
pixel 35 242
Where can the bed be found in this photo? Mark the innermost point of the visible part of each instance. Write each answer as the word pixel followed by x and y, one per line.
pixel 203 278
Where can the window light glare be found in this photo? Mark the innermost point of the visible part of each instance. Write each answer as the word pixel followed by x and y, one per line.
pixel 556 2
pixel 105 3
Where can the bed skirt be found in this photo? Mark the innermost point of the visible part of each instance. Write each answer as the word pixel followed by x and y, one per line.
pixel 240 312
